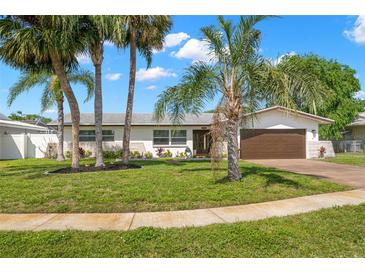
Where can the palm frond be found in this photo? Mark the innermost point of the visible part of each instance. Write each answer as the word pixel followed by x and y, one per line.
pixel 197 86
pixel 86 78
pixel 26 82
pixel 48 98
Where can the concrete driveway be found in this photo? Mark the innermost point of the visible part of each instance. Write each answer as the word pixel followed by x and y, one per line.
pixel 345 174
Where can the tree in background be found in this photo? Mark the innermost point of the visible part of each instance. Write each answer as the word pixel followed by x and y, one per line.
pixel 242 78
pixel 38 43
pixel 340 104
pixel 52 95
pixel 143 33
pixel 20 116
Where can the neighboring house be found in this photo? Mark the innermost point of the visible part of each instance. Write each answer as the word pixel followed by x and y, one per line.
pixel 275 132
pixel 356 130
pixel 15 138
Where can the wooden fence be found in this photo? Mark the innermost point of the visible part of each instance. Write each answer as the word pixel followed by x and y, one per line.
pixel 349 146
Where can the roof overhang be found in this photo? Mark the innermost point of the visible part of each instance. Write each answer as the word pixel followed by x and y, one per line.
pixel 319 119
pixel 16 124
pixel 357 124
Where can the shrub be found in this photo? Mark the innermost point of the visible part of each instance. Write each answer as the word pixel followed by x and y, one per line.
pixel 68 154
pixel 113 154
pixel 322 152
pixel 148 155
pixel 136 155
pixel 119 153
pixel 82 152
pixel 167 154
pixel 181 155
pixel 108 154
pixel 160 152
pixel 88 153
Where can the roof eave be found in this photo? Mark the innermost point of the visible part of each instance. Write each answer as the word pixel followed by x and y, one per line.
pixel 319 119
pixel 26 126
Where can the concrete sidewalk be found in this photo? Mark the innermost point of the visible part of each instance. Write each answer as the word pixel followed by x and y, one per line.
pixel 183 218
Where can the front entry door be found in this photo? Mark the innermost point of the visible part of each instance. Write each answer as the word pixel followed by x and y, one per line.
pixel 201 142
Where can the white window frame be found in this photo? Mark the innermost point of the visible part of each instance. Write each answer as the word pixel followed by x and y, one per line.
pixel 93 136
pixel 170 138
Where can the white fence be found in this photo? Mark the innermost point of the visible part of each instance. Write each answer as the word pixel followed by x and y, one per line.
pixel 20 146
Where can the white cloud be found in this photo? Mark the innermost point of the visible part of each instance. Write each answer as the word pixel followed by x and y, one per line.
pixel 194 49
pixel 173 40
pixel 113 76
pixel 360 95
pixel 108 43
pixel 151 87
pixel 357 34
pixel 153 74
pixel 50 111
pixel 281 57
pixel 83 59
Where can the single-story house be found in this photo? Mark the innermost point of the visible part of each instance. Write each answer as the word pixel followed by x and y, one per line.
pixel 356 130
pixel 274 132
pixel 14 138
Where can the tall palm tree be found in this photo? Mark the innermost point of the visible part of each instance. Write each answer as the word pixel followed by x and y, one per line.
pixel 241 77
pixel 50 43
pixel 52 95
pixel 143 33
pixel 100 29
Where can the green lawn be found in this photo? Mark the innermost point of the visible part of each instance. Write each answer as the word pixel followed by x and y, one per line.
pixel 336 232
pixel 159 185
pixel 356 159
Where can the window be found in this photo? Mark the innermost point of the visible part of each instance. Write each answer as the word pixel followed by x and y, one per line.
pixel 178 137
pixel 161 137
pixel 108 135
pixel 89 135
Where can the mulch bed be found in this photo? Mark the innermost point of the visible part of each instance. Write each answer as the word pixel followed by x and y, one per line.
pixel 92 168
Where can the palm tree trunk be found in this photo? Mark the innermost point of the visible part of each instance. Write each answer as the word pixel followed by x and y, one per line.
pixel 60 129
pixel 74 108
pixel 129 110
pixel 232 146
pixel 97 57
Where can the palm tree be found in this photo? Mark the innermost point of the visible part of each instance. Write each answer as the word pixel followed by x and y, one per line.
pixel 242 78
pixel 51 43
pixel 100 29
pixel 143 33
pixel 52 94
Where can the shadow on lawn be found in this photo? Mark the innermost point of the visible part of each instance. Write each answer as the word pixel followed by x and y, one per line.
pixel 271 176
pixel 32 169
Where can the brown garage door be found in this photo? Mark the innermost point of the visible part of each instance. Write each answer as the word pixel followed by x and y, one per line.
pixel 272 144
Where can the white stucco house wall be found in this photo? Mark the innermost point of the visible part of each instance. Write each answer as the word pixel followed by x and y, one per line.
pixel 299 128
pixel 20 140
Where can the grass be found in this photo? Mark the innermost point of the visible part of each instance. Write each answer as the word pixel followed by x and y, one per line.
pixel 356 159
pixel 159 185
pixel 336 232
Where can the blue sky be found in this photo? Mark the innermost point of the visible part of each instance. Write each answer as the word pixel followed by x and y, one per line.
pixel 337 37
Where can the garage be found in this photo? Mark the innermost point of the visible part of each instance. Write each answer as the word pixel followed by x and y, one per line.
pixel 273 144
